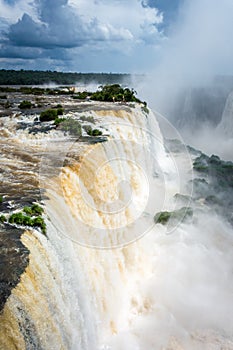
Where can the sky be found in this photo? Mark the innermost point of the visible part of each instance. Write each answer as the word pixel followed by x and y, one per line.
pixel 181 38
pixel 81 35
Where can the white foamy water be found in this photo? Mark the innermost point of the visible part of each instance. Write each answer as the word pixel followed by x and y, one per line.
pixel 108 278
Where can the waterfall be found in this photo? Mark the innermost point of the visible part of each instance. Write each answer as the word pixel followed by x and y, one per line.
pixel 225 127
pixel 107 278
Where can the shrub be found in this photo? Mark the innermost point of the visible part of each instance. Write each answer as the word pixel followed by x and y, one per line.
pixel 88 129
pixel 2 218
pixel 23 220
pixel 145 109
pixel 71 126
pixel 48 115
pixel 27 221
pixel 58 121
pixel 37 210
pixel 34 210
pixel 92 132
pixel 115 92
pixel 20 219
pixel 39 222
pixel 60 111
pixel 89 119
pixel 81 95
pixel 1 199
pixel 96 132
pixel 27 210
pixel 25 104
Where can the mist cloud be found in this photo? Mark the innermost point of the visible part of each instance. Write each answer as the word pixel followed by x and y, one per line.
pixel 198 48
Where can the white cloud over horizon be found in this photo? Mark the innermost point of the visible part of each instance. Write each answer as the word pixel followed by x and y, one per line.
pixel 119 36
pixel 75 29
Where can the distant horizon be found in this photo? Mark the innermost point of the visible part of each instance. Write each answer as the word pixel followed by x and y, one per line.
pixel 68 72
pixel 216 76
pixel 180 42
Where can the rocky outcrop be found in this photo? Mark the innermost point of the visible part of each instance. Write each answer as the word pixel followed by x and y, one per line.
pixel 14 258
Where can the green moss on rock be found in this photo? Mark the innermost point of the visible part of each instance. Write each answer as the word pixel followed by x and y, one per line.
pixel 181 214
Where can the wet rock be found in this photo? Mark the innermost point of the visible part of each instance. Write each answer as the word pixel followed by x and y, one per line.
pixel 14 258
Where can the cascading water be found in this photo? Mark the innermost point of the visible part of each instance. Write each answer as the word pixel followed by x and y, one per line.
pixel 226 124
pixel 107 278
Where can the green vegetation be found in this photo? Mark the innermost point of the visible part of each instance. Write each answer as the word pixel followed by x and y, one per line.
pixel 92 132
pixel 29 216
pixel 214 184
pixel 89 119
pixel 39 222
pixel 71 126
pixel 29 77
pixel 1 199
pixel 88 129
pixel 201 163
pixel 34 210
pixel 2 219
pixel 20 219
pixel 96 132
pixel 145 109
pixel 32 218
pixel 181 198
pixel 81 95
pixel 48 115
pixel 25 104
pixel 37 210
pixel 115 93
pixel 58 121
pixel 27 210
pixel 24 220
pixel 219 171
pixel 60 111
pixel 180 214
pixel 110 93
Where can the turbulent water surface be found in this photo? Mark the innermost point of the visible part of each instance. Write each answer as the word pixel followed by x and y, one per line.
pixel 105 276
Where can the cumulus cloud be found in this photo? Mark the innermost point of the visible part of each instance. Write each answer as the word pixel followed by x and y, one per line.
pixel 60 26
pixel 12 10
pixel 118 28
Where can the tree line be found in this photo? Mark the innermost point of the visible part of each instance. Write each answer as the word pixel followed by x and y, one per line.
pixel 30 77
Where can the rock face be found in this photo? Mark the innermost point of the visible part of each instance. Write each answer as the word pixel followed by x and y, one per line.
pixel 215 184
pixel 14 258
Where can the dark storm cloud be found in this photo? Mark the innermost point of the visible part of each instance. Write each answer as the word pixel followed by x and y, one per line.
pixel 59 26
pixel 27 32
pixel 20 52
pixel 32 53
